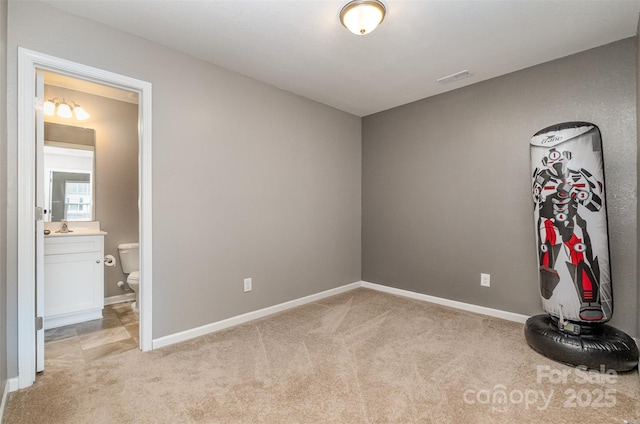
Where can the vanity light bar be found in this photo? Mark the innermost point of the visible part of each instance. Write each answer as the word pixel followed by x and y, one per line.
pixel 64 109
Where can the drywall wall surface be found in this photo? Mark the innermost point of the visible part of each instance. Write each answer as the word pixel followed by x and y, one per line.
pixel 447 181
pixel 638 164
pixel 116 171
pixel 3 196
pixel 248 180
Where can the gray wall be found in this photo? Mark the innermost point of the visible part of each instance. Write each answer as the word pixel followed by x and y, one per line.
pixel 3 197
pixel 446 182
pixel 638 159
pixel 116 171
pixel 248 180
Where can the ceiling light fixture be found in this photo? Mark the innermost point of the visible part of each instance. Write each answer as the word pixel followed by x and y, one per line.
pixel 362 16
pixel 64 109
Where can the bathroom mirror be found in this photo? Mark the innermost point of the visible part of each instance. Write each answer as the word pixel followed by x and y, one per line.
pixel 69 178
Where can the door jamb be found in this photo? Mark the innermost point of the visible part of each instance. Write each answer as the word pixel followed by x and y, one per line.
pixel 28 62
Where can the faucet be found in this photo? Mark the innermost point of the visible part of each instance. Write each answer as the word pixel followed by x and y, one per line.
pixel 64 228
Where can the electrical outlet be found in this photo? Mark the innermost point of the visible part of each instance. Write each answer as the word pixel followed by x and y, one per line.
pixel 248 285
pixel 485 280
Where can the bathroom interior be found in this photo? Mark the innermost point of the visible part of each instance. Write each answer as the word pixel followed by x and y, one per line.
pixel 91 221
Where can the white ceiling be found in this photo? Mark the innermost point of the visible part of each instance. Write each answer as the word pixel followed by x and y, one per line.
pixel 300 45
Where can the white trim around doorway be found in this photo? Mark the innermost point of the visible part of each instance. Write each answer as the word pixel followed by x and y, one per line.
pixel 28 62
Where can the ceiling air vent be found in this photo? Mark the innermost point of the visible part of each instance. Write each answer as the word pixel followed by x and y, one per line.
pixel 454 77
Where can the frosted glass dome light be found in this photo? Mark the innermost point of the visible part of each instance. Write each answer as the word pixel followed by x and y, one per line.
pixel 362 16
pixel 80 113
pixel 64 110
pixel 49 107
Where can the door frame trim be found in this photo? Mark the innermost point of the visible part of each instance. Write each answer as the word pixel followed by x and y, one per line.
pixel 28 62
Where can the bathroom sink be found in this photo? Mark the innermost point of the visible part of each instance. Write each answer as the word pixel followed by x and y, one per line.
pixel 78 233
pixel 88 228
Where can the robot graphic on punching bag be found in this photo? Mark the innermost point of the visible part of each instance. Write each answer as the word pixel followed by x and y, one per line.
pixel 571 223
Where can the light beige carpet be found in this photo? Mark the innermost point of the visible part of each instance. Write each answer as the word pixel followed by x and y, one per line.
pixel 359 357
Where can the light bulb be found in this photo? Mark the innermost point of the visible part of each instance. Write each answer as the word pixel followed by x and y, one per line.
pixel 81 114
pixel 49 108
pixel 64 111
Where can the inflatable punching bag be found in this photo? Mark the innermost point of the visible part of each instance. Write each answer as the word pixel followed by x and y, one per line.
pixel 571 223
pixel 570 217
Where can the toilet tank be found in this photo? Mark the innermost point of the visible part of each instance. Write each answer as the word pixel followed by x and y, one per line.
pixel 129 257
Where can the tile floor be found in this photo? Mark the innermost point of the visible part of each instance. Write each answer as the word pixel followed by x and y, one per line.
pixel 79 344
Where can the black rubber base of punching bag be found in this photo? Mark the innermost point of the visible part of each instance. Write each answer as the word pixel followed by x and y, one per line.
pixel 604 346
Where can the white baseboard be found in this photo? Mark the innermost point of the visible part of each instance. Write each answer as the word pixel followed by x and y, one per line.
pixel 5 394
pixel 119 298
pixel 71 318
pixel 10 386
pixel 249 316
pixel 510 316
pixel 14 384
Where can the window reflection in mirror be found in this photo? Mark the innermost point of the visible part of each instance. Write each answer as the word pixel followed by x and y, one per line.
pixel 69 158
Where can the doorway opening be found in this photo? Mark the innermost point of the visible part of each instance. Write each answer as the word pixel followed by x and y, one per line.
pixel 90 180
pixel 29 256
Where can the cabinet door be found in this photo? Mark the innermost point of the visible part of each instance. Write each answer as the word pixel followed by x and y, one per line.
pixel 74 282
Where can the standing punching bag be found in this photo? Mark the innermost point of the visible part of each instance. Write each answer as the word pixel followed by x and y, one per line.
pixel 570 219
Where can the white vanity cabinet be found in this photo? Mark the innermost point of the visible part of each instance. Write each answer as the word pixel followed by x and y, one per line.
pixel 73 279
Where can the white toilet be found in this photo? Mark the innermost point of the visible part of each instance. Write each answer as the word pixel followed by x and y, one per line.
pixel 130 259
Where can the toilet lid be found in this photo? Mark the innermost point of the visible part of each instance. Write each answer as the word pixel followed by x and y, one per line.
pixel 134 277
